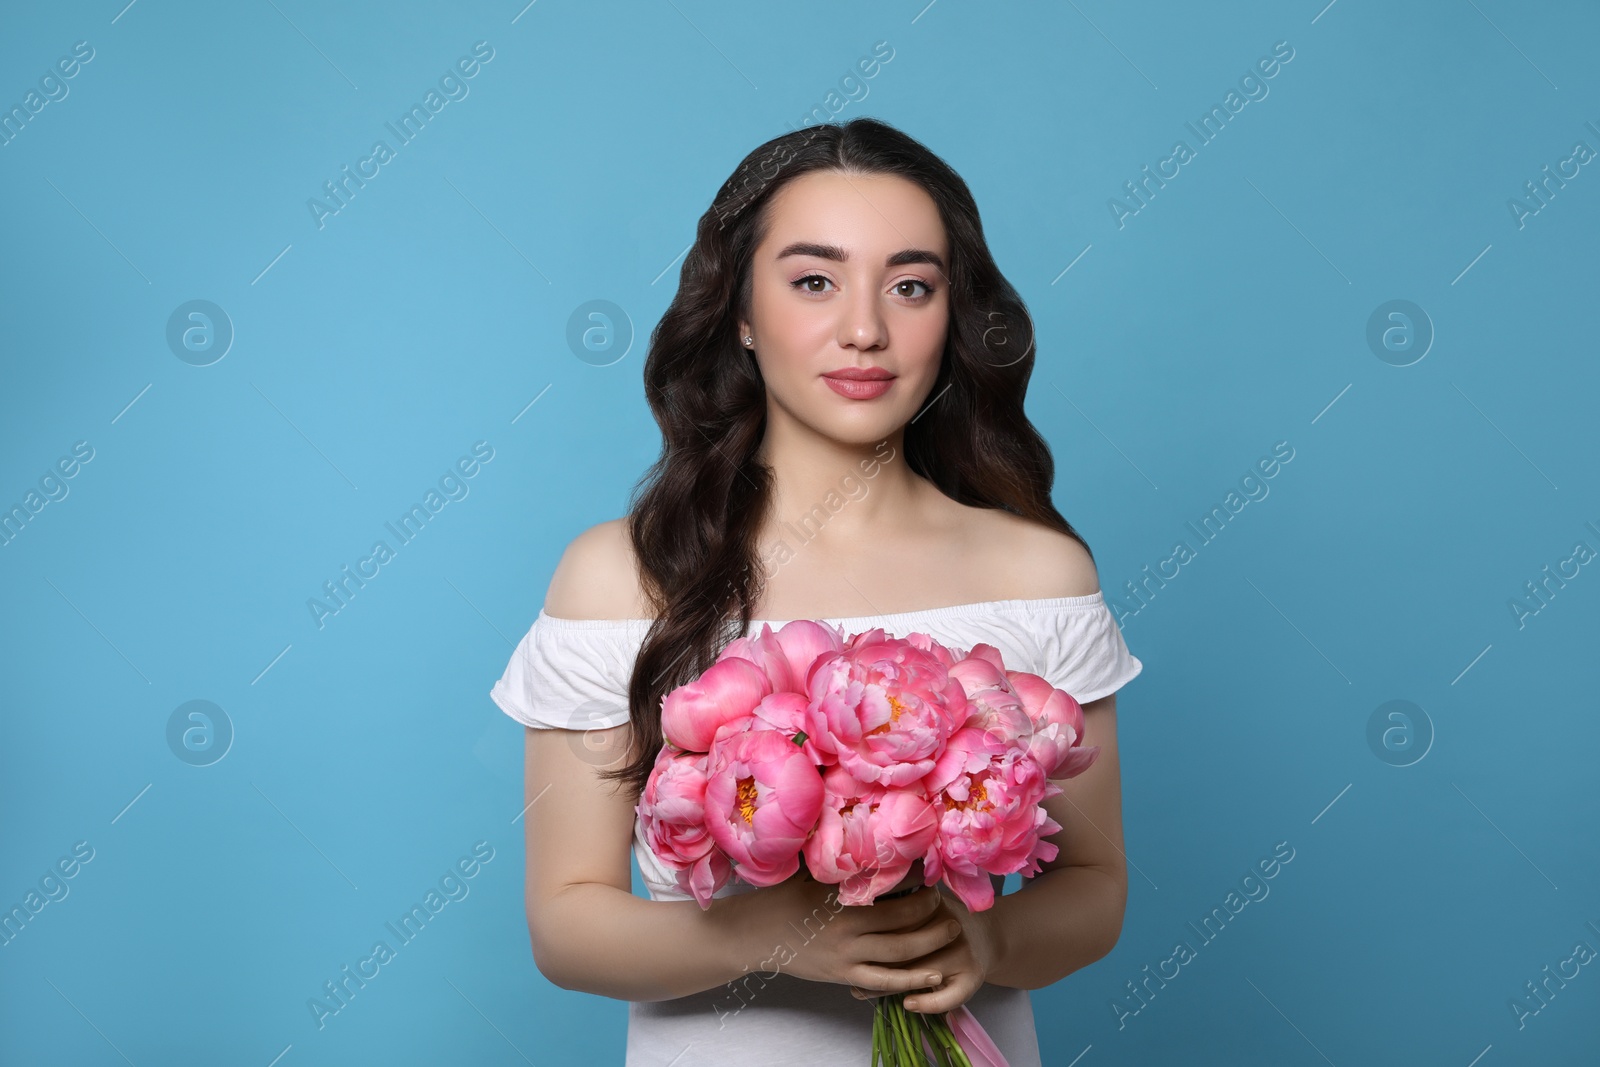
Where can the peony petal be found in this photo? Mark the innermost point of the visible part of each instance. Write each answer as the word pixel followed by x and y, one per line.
pixel 975 890
pixel 802 643
pixel 767 653
pixel 727 690
pixel 1079 759
pixel 973 1038
pixel 976 674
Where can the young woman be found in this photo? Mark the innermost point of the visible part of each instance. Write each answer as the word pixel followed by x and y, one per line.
pixel 839 382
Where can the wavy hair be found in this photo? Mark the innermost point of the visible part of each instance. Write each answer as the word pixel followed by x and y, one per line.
pixel 695 514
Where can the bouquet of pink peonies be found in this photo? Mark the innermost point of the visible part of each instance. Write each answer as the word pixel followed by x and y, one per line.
pixel 863 755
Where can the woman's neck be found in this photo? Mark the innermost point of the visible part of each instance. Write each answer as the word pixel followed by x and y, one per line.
pixel 839 493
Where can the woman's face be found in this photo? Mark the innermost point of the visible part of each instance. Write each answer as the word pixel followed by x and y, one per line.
pixel 851 276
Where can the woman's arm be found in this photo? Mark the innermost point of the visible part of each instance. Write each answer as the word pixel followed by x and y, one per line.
pixel 590 933
pixel 1070 914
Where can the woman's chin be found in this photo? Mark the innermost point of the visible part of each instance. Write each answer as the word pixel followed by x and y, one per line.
pixel 857 429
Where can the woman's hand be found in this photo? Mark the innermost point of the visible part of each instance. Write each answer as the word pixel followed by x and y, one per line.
pixel 965 962
pixel 802 929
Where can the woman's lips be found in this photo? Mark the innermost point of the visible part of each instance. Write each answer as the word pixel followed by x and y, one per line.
pixel 870 389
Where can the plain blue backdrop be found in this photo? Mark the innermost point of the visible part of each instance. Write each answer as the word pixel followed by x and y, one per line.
pixel 1443 472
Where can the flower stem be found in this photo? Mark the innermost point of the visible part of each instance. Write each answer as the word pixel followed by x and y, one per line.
pixel 940 1032
pixel 912 1055
pixel 958 1055
pixel 914 1028
pixel 928 1026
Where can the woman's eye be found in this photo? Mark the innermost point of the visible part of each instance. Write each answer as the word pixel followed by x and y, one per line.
pixel 899 288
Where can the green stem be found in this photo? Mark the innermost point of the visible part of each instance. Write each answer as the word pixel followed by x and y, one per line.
pixel 914 1023
pixel 927 1029
pixel 958 1058
pixel 939 1030
pixel 913 1055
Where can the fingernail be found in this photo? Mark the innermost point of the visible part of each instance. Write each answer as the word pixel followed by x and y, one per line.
pixel 935 978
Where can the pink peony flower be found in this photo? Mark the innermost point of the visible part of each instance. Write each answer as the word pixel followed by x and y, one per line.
pixel 868 836
pixel 765 652
pixel 763 796
pixel 803 643
pixel 672 813
pixel 994 706
pixel 987 796
pixel 1057 726
pixel 885 707
pixel 943 653
pixel 727 690
pixel 787 655
pixel 789 714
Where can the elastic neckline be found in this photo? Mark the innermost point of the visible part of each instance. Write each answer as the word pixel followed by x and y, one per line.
pixel 1030 606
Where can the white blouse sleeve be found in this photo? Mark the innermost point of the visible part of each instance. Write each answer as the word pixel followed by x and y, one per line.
pixel 571 674
pixel 1083 651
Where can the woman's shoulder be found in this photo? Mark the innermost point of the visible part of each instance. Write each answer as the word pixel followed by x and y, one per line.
pixel 1029 560
pixel 597 577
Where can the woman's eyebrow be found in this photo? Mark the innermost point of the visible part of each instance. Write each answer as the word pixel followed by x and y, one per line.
pixel 834 252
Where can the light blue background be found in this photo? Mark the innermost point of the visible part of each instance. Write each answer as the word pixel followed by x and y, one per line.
pixel 1228 314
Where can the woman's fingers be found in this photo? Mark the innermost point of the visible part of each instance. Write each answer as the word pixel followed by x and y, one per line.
pixel 947 997
pixel 893 915
pixel 907 911
pixel 898 947
pixel 876 981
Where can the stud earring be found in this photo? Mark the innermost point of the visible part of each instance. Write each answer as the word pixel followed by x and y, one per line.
pixel 749 341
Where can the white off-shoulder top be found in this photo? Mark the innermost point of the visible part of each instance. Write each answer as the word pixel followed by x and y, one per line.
pixel 573 674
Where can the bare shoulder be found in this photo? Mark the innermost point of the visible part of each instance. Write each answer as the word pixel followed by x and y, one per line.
pixel 597 577
pixel 1038 561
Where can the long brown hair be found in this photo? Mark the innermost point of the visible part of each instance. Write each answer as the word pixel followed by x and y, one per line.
pixel 696 513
